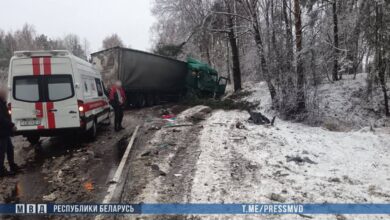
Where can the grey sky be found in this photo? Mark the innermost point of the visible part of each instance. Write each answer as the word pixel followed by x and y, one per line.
pixel 90 19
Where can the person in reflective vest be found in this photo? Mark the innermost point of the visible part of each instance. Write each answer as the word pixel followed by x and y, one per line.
pixel 117 100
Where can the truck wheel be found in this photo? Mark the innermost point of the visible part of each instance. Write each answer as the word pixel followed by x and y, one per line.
pixel 33 139
pixel 141 102
pixel 149 100
pixel 92 131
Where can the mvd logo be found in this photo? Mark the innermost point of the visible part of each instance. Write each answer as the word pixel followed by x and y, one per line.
pixel 30 208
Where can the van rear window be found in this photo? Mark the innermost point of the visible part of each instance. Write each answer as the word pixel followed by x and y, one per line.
pixel 59 87
pixel 52 88
pixel 26 89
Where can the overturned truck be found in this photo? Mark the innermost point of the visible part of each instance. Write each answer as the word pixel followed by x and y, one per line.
pixel 149 78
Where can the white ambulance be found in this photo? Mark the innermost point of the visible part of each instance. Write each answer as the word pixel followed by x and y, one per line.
pixel 53 92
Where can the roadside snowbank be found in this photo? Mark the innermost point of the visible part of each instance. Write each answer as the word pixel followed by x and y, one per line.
pixel 347 101
pixel 342 105
pixel 290 162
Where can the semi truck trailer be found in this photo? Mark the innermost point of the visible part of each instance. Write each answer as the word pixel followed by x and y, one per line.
pixel 149 78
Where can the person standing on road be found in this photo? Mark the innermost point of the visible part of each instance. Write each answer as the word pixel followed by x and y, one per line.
pixel 6 130
pixel 117 100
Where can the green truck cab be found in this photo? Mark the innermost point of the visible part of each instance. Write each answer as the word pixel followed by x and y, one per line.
pixel 203 81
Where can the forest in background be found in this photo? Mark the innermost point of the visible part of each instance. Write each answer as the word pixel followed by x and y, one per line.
pixel 293 45
pixel 27 38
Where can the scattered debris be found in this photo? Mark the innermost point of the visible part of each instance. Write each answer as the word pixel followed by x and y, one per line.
pixel 341 217
pixel 258 118
pixel 300 160
pixel 305 216
pixel 176 130
pixel 280 174
pixel 149 153
pixel 165 145
pixel 165 112
pixel 237 138
pixel 240 125
pixel 156 169
pixel 89 186
pixel 196 114
pixel 169 116
pixel 334 180
pixel 176 126
pixel 154 128
pixel 146 154
pixel 49 198
pixel 277 198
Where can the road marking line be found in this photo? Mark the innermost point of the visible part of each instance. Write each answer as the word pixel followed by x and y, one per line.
pixel 118 173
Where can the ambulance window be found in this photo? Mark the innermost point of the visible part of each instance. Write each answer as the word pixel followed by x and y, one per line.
pixel 59 88
pixel 87 89
pixel 26 88
pixel 99 87
pixel 85 86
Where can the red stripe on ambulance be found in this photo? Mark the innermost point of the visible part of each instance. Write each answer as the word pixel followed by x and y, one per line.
pixel 38 105
pixel 51 118
pixel 94 105
pixel 36 66
pixel 47 65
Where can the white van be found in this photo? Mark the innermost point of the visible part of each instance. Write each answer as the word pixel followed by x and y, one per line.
pixel 54 92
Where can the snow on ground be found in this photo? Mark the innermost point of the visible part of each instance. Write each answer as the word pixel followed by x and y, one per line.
pixel 292 162
pixel 344 104
pixel 226 159
pixel 347 101
pixel 251 165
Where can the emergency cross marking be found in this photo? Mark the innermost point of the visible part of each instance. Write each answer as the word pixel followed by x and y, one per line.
pixel 36 63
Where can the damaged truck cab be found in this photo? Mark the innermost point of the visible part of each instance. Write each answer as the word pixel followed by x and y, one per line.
pixel 204 80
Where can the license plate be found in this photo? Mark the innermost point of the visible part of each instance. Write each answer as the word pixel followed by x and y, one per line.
pixel 30 122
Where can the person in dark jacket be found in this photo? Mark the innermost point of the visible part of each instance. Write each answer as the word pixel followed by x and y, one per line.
pixel 6 130
pixel 117 100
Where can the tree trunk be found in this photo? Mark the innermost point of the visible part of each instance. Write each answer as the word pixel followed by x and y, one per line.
pixel 288 57
pixel 234 49
pixel 289 38
pixel 260 52
pixel 335 76
pixel 382 79
pixel 381 62
pixel 263 64
pixel 301 106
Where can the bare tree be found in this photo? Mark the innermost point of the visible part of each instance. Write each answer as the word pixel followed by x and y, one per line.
pixel 335 75
pixel 300 71
pixel 72 43
pixel 112 41
pixel 234 47
pixel 25 38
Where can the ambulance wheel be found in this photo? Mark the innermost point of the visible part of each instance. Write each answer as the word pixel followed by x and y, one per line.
pixel 93 130
pixel 157 100
pixel 33 139
pixel 108 118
